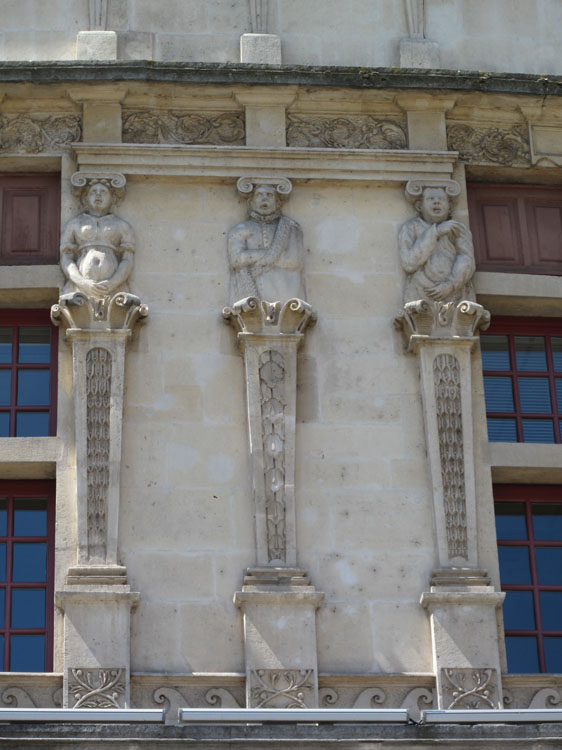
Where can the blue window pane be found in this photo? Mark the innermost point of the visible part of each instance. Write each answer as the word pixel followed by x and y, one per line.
pixel 553 654
pixel 534 395
pixel 502 430
pixel 551 610
pixel 28 608
pixel 522 654
pixel 34 345
pixel 549 565
pixel 499 393
pixel 5 387
pixel 32 424
pixel 547 521
pixel 6 335
pixel 2 562
pixel 510 521
pixel 4 424
pixel 514 565
pixel 34 387
pixel 538 431
pixel 558 383
pixel 3 516
pixel 30 517
pixel 27 653
pixel 519 611
pixel 2 607
pixel 556 343
pixel 495 352
pixel 30 562
pixel 530 353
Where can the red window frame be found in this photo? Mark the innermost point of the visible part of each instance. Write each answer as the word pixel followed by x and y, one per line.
pixel 511 327
pixel 527 495
pixel 22 489
pixel 16 318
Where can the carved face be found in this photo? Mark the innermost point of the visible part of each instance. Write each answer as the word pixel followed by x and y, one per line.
pixel 434 206
pixel 264 200
pixel 99 199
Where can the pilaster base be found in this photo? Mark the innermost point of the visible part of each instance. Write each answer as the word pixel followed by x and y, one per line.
pixel 97 627
pixel 279 608
pixel 464 631
pixel 260 49
pixel 419 53
pixel 96 45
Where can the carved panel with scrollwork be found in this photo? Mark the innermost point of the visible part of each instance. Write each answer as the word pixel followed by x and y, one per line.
pixel 470 688
pixel 352 131
pixel 504 146
pixel 97 687
pixel 33 134
pixel 173 126
pixel 281 688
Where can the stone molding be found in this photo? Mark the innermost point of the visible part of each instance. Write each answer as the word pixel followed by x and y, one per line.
pixel 352 131
pixel 490 145
pixel 183 127
pixel 35 134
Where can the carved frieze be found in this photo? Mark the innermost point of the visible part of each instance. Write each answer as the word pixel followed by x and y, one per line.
pixel 470 688
pixel 173 126
pixel 352 131
pixel 505 146
pixel 447 380
pixel 94 687
pixel 33 134
pixel 281 688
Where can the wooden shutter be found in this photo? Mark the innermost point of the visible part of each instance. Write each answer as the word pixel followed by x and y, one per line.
pixel 29 219
pixel 516 228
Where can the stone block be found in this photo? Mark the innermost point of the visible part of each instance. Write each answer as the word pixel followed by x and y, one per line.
pixel 96 45
pixel 135 45
pixel 419 53
pixel 261 49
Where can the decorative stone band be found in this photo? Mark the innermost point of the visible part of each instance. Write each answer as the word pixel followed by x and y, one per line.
pixel 353 131
pixel 441 320
pixel 34 134
pixel 505 146
pixel 173 126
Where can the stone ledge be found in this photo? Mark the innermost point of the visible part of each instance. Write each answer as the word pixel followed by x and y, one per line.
pixel 519 293
pixel 305 75
pixel 30 457
pixel 531 463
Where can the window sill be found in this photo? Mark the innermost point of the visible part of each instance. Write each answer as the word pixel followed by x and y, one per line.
pixel 526 463
pixel 30 286
pixel 29 457
pixel 519 293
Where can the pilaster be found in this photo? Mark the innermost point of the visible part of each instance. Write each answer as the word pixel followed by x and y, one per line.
pixel 425 115
pixel 266 109
pixel 101 112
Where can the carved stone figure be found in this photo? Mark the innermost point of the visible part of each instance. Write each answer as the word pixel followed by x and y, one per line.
pixel 265 253
pixel 436 251
pixel 97 246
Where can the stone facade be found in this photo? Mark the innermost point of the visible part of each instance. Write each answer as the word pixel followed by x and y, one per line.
pixel 293 510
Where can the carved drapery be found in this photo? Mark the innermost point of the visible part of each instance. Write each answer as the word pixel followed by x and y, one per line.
pixel 415 18
pixel 173 126
pixel 447 378
pixel 98 15
pixel 259 11
pixel 98 401
pixel 353 131
pixel 33 134
pixel 505 146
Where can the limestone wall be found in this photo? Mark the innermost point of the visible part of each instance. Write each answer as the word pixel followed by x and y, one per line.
pixel 504 35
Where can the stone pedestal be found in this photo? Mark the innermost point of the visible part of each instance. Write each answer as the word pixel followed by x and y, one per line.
pixel 96 599
pixel 277 600
pixel 96 45
pixel 419 53
pixel 461 603
pixel 260 49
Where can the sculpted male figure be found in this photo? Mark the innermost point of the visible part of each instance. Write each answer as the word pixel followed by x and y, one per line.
pixel 436 251
pixel 265 253
pixel 96 246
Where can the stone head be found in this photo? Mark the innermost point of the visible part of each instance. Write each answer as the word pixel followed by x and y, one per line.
pixel 265 200
pixel 434 205
pixel 98 198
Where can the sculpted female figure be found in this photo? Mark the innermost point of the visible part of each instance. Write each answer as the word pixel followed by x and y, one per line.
pixel 96 246
pixel 266 253
pixel 436 251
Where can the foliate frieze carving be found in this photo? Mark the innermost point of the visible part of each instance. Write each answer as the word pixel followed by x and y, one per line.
pixel 447 380
pixel 98 403
pixel 353 131
pixel 470 688
pixel 97 687
pixel 33 134
pixel 273 403
pixel 505 146
pixel 282 688
pixel 173 126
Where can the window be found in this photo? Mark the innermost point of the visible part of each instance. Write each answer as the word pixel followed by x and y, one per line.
pixel 529 532
pixel 516 228
pixel 26 576
pixel 28 382
pixel 29 219
pixel 522 363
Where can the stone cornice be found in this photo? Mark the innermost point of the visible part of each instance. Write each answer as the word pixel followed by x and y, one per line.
pixel 239 73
